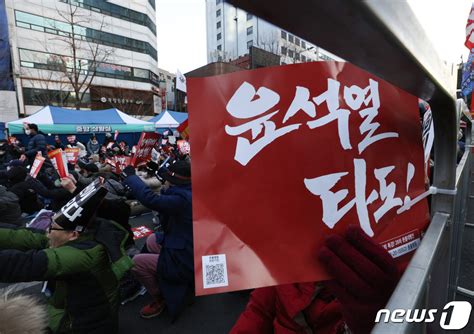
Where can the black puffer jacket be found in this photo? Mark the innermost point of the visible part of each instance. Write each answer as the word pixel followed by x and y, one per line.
pixel 10 212
pixel 36 143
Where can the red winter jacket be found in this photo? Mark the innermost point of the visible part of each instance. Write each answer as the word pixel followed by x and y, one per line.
pixel 292 308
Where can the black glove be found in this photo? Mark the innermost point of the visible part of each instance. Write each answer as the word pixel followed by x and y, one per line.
pixel 128 171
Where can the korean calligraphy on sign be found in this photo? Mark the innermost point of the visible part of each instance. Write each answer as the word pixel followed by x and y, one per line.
pixel 300 152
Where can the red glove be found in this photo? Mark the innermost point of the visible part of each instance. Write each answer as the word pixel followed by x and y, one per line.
pixel 364 276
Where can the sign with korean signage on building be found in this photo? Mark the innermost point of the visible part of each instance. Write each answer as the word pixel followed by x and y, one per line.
pixel 288 155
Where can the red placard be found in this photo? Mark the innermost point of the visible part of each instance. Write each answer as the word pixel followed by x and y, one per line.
pixel 58 159
pixel 299 152
pixel 141 232
pixel 11 140
pixel 119 162
pixel 146 143
pixel 72 154
pixel 35 168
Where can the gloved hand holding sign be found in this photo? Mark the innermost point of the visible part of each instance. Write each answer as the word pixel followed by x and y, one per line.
pixel 364 276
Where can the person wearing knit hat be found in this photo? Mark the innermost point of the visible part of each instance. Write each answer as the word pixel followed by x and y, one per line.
pixel 82 258
pixel 170 253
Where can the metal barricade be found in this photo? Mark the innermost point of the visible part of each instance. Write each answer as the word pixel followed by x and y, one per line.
pixel 384 38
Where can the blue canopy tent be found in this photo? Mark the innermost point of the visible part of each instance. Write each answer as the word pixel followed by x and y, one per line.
pixel 83 123
pixel 168 120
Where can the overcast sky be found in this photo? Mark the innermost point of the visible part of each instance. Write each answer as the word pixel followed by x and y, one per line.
pixel 182 30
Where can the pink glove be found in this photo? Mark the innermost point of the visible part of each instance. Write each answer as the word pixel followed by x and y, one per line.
pixel 364 276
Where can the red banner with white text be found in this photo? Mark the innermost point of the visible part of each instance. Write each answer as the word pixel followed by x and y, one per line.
pixel 284 156
pixel 146 143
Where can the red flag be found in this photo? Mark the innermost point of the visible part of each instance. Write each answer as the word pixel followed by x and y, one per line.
pixel 183 128
pixel 470 29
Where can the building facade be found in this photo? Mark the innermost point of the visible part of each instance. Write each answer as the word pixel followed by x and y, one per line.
pixel 166 94
pixel 88 54
pixel 231 31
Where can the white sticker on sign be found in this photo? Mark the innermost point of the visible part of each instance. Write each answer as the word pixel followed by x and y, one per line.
pixel 404 249
pixel 214 271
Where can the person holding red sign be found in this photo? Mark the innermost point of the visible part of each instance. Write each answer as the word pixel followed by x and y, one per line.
pixel 167 271
pixel 364 276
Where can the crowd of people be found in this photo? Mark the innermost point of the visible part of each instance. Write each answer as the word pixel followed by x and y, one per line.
pixel 74 234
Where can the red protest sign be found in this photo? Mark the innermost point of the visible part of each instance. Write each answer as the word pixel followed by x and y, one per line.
pixel 72 154
pixel 141 232
pixel 11 140
pixel 120 162
pixel 146 143
pixel 300 152
pixel 37 163
pixel 59 161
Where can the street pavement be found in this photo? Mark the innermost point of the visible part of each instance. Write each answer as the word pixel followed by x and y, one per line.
pixel 208 314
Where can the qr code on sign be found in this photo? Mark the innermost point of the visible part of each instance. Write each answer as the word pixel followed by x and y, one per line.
pixel 214 271
pixel 215 274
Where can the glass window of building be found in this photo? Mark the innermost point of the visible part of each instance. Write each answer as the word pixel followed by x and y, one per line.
pixel 218 13
pixel 219 47
pixel 249 44
pixel 297 41
pixel 219 36
pixel 141 73
pixel 250 30
pixel 284 50
pixel 297 55
pixel 218 24
pixel 303 44
pixel 218 2
pixel 283 34
pixel 290 38
pixel 249 16
pixel 291 53
pixel 303 59
pixel 51 26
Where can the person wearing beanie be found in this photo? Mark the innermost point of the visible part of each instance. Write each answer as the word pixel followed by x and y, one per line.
pixel 167 271
pixel 82 258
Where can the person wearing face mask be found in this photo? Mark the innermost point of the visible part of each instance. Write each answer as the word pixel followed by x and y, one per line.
pixel 93 146
pixel 80 256
pixel 37 143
